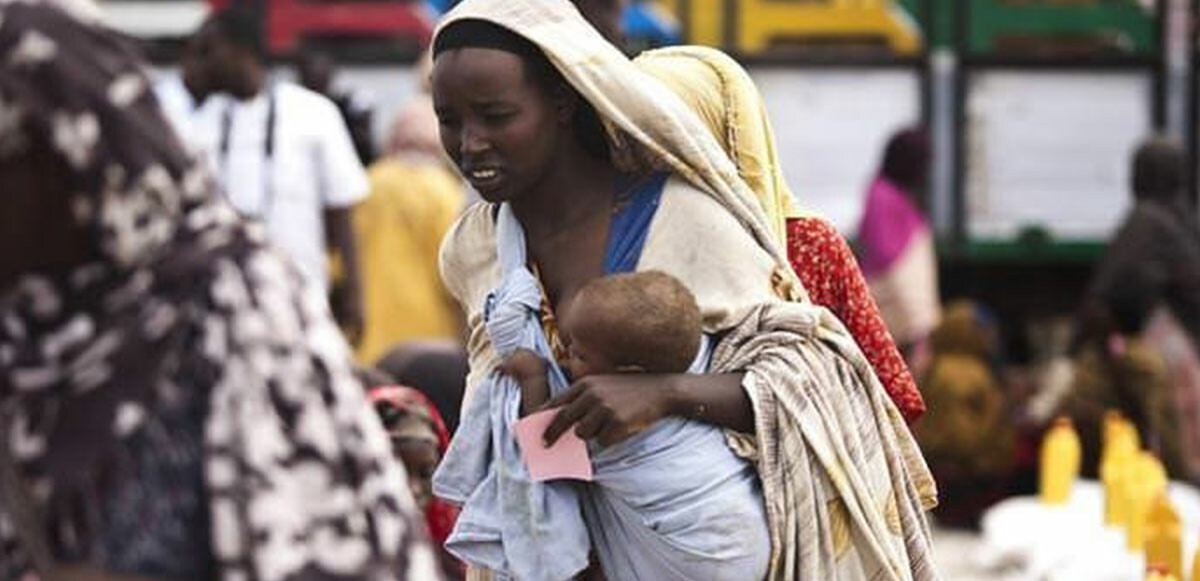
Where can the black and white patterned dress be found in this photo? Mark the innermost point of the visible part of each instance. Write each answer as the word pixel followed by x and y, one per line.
pixel 183 406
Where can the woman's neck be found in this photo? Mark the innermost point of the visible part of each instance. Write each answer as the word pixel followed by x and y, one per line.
pixel 577 188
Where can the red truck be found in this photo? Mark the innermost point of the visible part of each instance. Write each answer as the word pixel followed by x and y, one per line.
pixel 288 22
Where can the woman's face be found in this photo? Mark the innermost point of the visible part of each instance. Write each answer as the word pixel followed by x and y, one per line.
pixel 500 127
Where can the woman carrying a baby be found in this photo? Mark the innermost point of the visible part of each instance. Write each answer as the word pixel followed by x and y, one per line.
pixel 735 430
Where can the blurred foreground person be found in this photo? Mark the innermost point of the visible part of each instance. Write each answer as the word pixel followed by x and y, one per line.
pixel 1141 318
pixel 723 96
pixel 176 402
pixel 414 199
pixel 967 435
pixel 896 246
pixel 283 156
pixel 419 439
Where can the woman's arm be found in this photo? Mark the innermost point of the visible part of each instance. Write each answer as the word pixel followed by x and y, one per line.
pixel 611 408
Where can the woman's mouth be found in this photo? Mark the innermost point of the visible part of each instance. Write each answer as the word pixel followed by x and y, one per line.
pixel 485 179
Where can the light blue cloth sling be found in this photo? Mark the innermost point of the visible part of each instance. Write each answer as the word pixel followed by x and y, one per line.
pixel 672 503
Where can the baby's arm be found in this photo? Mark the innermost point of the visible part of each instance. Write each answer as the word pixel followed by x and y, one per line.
pixel 529 370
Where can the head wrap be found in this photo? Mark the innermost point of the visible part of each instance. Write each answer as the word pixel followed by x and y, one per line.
pixel 906 158
pixel 1159 170
pixel 482 34
pixel 408 415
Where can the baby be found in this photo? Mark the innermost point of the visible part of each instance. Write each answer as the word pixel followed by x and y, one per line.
pixel 645 322
pixel 675 491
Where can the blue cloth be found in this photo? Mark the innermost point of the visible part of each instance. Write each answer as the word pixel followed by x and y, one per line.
pixel 509 523
pixel 672 503
pixel 631 224
pixel 651 24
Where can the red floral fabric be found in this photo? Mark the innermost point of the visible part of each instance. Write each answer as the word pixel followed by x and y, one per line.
pixel 826 266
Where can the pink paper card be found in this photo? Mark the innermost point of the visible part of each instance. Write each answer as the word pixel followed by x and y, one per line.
pixel 568 458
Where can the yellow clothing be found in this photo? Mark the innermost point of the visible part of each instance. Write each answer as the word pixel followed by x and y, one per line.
pixel 400 227
pixel 966 433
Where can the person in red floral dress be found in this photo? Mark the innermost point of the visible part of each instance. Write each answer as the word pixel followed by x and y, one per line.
pixel 826 265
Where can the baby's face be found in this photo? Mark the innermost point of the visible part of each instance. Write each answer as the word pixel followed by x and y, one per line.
pixel 585 361
pixel 584 341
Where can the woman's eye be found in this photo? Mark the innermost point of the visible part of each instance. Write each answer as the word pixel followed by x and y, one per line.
pixel 497 118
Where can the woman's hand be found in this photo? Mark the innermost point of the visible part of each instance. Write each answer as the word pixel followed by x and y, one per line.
pixel 611 408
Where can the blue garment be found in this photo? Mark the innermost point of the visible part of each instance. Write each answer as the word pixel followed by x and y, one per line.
pixel 631 224
pixel 508 522
pixel 671 503
pixel 647 23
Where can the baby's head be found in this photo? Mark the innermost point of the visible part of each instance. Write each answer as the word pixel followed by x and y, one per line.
pixel 644 321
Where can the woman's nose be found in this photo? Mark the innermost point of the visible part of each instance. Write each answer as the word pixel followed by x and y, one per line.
pixel 472 141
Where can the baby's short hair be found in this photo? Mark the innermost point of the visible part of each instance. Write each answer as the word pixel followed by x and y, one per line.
pixel 644 319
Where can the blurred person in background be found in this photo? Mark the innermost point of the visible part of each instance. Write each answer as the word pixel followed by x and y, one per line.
pixel 284 156
pixel 181 94
pixel 895 246
pixel 967 435
pixel 722 94
pixel 419 439
pixel 437 369
pixel 414 199
pixel 1140 323
pixel 317 72
pixel 1115 368
pixel 176 402
pixel 1157 247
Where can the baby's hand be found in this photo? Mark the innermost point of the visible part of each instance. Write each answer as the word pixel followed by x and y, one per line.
pixel 529 370
pixel 522 363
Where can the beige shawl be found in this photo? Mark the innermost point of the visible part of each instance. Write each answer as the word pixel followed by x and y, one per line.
pixel 845 486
